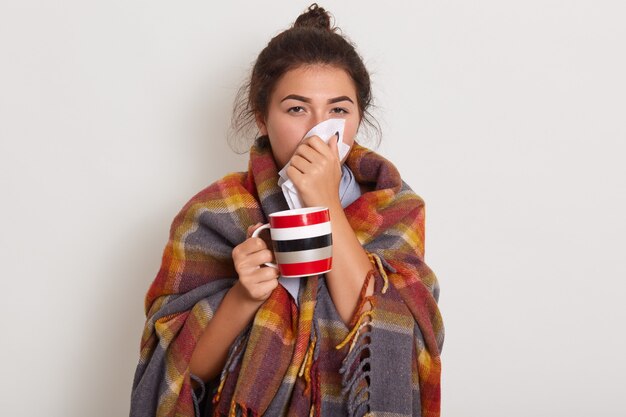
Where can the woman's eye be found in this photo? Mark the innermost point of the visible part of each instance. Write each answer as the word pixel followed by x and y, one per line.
pixel 339 110
pixel 296 109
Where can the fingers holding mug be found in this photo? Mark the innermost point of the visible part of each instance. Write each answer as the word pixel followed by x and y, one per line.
pixel 255 233
pixel 255 280
pixel 252 228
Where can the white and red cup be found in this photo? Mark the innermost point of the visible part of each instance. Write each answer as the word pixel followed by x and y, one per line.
pixel 302 241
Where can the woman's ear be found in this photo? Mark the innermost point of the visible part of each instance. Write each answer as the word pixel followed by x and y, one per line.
pixel 260 123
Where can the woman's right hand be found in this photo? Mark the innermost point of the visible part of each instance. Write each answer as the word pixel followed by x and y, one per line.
pixel 256 281
pixel 238 308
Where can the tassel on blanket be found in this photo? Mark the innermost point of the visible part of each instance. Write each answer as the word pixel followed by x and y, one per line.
pixel 238 410
pixel 233 410
pixel 355 329
pixel 316 407
pixel 375 259
pixel 309 370
pixel 355 368
pixel 307 363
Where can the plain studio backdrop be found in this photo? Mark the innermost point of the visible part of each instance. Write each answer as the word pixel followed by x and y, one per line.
pixel 508 118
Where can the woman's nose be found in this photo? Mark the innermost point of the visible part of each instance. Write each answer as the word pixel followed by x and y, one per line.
pixel 317 119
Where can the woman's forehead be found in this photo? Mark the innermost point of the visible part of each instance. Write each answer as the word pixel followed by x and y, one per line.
pixel 315 82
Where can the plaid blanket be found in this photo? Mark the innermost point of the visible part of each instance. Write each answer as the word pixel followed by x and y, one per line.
pixel 296 361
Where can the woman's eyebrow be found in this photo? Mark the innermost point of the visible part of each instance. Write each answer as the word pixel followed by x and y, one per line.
pixel 296 97
pixel 338 99
pixel 308 100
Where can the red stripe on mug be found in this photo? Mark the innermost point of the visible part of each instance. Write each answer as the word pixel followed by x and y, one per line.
pixel 279 222
pixel 306 268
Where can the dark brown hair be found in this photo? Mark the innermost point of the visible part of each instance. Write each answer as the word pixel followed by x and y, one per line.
pixel 311 40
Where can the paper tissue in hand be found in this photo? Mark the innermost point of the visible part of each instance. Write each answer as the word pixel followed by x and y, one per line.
pixel 326 131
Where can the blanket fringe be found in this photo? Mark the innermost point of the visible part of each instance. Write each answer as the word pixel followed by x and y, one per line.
pixel 358 400
pixel 358 325
pixel 355 369
pixel 233 410
pixel 355 329
pixel 307 364
pixel 358 376
pixel 240 410
pixel 361 409
pixel 375 259
pixel 316 382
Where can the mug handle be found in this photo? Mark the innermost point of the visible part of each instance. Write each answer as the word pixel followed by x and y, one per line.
pixel 256 234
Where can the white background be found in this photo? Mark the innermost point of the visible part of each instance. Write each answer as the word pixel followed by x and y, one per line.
pixel 508 118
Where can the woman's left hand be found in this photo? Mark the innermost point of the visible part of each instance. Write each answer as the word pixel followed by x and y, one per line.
pixel 315 171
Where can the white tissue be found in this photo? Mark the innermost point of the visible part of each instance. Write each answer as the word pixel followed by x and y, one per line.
pixel 325 130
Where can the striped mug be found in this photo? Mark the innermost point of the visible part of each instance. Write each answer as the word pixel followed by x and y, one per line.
pixel 302 241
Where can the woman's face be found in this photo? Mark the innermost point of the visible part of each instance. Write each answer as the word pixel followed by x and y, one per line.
pixel 304 97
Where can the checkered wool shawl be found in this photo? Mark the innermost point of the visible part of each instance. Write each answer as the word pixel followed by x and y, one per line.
pixel 296 361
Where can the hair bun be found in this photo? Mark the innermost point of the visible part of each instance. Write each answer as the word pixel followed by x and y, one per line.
pixel 315 17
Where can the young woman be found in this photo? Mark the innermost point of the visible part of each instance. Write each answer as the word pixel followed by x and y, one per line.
pixel 225 335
